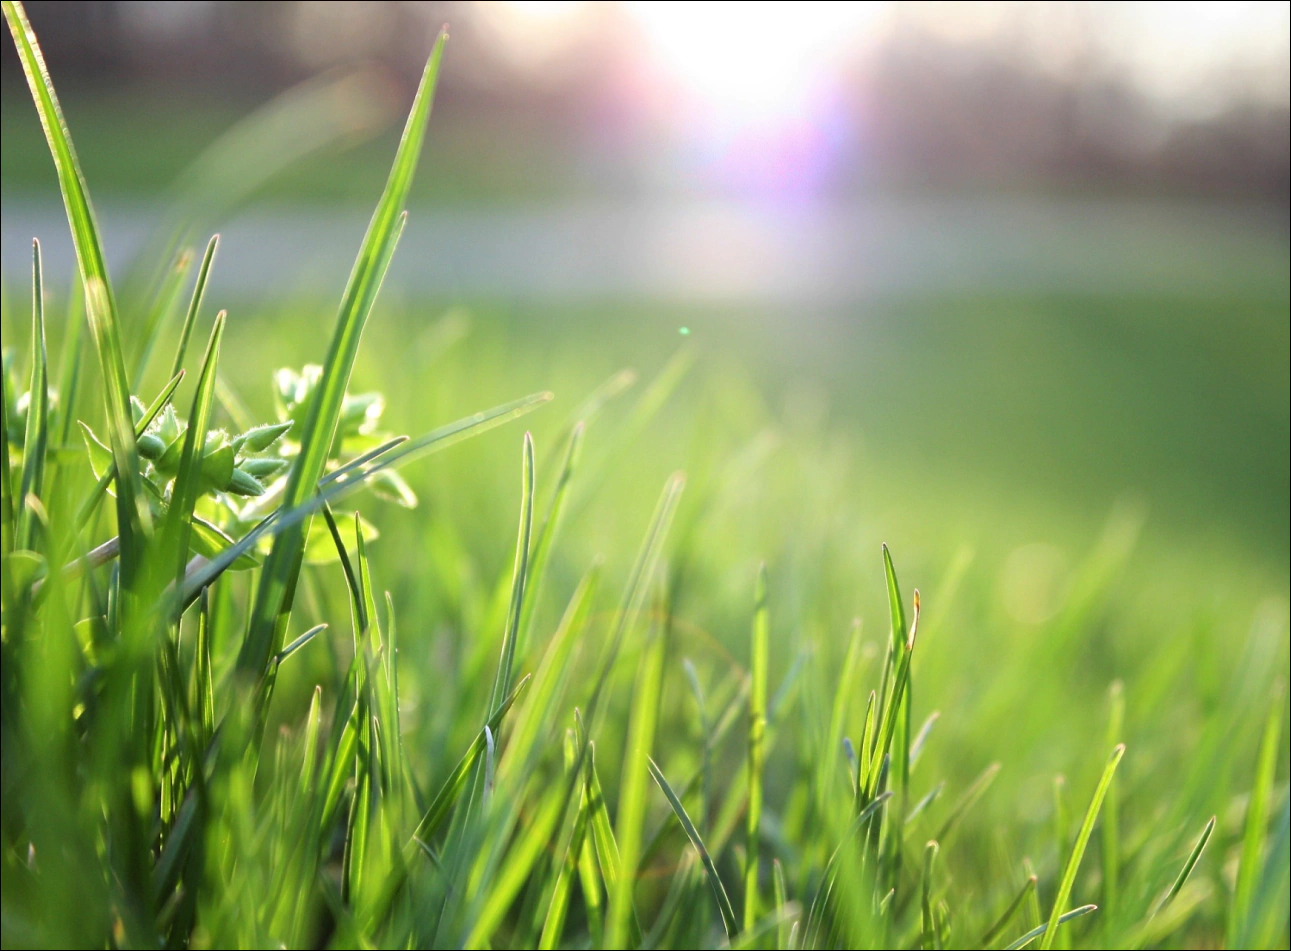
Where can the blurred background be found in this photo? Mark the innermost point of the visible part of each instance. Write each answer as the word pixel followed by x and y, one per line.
pixel 988 274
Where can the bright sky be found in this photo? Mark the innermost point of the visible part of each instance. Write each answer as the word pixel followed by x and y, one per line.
pixel 752 61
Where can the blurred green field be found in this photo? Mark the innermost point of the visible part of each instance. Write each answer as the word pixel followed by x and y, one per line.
pixel 1088 490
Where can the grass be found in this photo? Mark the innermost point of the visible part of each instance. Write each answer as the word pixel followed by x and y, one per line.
pixel 615 725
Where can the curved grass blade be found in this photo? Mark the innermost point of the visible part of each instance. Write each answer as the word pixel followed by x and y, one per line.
pixel 299 642
pixel 133 520
pixel 1078 849
pixel 757 750
pixel 36 438
pixel 277 581
pixel 994 931
pixel 714 880
pixel 1193 857
pixel 1034 933
pixel 194 304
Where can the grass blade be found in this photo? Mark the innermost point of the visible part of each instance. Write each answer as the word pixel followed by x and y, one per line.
pixel 1257 817
pixel 36 438
pixel 1112 811
pixel 194 304
pixel 1044 929
pixel 714 880
pixel 757 752
pixel 179 518
pixel 632 788
pixel 994 931
pixel 133 520
pixel 444 800
pixel 277 577
pixel 502 680
pixel 1078 849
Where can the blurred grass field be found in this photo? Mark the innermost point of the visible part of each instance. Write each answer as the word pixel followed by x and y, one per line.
pixel 1089 489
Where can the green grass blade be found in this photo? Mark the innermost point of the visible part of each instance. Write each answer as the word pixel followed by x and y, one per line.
pixel 1002 922
pixel 1078 849
pixel 277 581
pixel 729 921
pixel 927 925
pixel 521 857
pixel 69 372
pixel 502 680
pixel 757 751
pixel 8 513
pixel 1111 839
pixel 133 520
pixel 896 607
pixel 1193 857
pixel 606 846
pixel 1257 816
pixel 448 794
pixel 553 924
pixel 781 899
pixel 36 438
pixel 1266 919
pixel 1044 929
pixel 536 712
pixel 178 522
pixel 632 787
pixel 194 304
pixel 542 545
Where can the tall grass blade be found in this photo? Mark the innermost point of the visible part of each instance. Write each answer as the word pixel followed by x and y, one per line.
pixel 194 304
pixel 1078 849
pixel 36 438
pixel 179 517
pixel 272 602
pixel 632 787
pixel 133 519
pixel 502 680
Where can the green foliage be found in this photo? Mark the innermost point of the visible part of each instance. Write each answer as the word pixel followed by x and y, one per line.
pixel 196 753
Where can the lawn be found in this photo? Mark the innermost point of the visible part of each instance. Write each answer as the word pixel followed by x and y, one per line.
pixel 695 710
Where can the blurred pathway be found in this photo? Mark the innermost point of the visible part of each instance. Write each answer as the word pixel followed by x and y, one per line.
pixel 675 250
